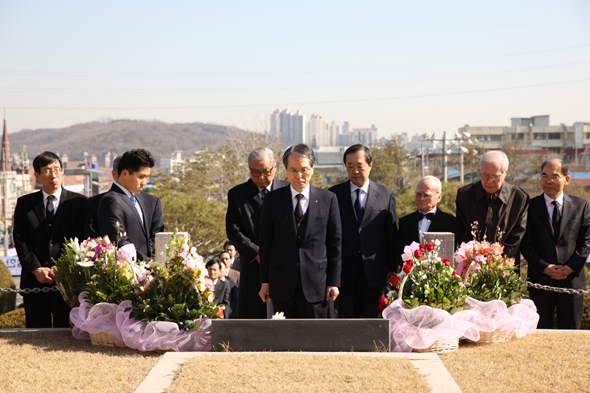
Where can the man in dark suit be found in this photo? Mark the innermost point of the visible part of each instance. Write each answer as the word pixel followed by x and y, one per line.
pixel 43 221
pixel 232 277
pixel 368 218
pixel 556 245
pixel 428 217
pixel 222 288
pixel 494 204
pixel 300 242
pixel 242 223
pixel 235 262
pixel 122 214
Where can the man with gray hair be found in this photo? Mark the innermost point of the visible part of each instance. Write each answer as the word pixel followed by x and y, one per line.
pixel 495 205
pixel 428 217
pixel 242 223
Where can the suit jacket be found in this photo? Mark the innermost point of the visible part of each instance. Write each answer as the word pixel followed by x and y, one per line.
pixel 153 204
pixel 234 275
pixel 116 208
pixel 540 247
pixel 242 221
pixel 315 257
pixel 36 243
pixel 232 310
pixel 408 229
pixel 222 294
pixel 91 223
pixel 508 211
pixel 374 238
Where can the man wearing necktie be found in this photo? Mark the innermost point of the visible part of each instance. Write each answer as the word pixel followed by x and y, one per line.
pixel 300 242
pixel 242 224
pixel 42 222
pixel 496 206
pixel 556 245
pixel 428 218
pixel 122 213
pixel 368 217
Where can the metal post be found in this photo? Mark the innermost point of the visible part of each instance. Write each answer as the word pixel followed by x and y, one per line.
pixel 445 174
pixel 422 155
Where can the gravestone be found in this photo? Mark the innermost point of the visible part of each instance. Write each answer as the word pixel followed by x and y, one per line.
pixel 308 335
pixel 162 240
pixel 447 246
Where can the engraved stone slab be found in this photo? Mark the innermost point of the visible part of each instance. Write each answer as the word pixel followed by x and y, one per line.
pixel 162 240
pixel 447 247
pixel 309 335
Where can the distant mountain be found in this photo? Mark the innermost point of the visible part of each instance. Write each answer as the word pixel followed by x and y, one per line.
pixel 118 136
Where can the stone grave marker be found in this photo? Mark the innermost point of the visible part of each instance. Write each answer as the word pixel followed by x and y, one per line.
pixel 447 247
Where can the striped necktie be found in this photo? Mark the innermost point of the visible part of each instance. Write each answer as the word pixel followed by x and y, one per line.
pixel 137 207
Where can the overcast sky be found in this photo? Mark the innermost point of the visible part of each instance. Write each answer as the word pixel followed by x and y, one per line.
pixel 423 66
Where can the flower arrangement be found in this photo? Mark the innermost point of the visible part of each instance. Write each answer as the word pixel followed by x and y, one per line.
pixel 488 274
pixel 178 290
pixel 97 266
pixel 426 279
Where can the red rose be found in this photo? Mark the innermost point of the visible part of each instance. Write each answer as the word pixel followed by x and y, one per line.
pixel 383 300
pixel 395 280
pixel 422 247
pixel 446 261
pixel 407 268
pixel 454 273
pixel 381 307
pixel 418 254
pixel 219 314
pixel 430 246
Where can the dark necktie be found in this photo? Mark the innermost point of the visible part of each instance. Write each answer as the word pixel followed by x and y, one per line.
pixel 298 209
pixel 357 206
pixel 49 212
pixel 263 193
pixel 555 220
pixel 428 216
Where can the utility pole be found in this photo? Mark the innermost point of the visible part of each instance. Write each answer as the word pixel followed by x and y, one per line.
pixel 445 174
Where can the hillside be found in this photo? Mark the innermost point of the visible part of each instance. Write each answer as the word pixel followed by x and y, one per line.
pixel 118 136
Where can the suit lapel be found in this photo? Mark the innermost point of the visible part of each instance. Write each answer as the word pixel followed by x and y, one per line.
pixel 40 212
pixel 541 211
pixel 287 206
pixel 415 234
pixel 127 201
pixel 568 211
pixel 61 210
pixel 370 203
pixel 254 193
pixel 436 222
pixel 313 208
pixel 348 202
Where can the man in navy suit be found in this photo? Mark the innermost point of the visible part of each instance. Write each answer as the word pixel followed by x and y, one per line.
pixel 122 214
pixel 428 217
pixel 242 223
pixel 300 242
pixel 43 221
pixel 556 245
pixel 368 217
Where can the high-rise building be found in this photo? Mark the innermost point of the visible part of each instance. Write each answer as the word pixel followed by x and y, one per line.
pixel 298 128
pixel 334 131
pixel 317 131
pixel 275 128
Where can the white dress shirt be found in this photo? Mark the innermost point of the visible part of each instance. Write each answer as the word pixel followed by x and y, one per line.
pixel 424 224
pixel 363 194
pixel 548 202
pixel 304 201
pixel 57 196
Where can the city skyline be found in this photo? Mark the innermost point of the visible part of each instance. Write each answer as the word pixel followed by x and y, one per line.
pixel 414 68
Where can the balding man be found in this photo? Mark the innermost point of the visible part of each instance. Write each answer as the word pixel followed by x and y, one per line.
pixel 494 204
pixel 428 217
pixel 556 245
pixel 242 224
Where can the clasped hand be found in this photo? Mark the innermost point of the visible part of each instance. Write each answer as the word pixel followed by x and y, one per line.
pixel 558 272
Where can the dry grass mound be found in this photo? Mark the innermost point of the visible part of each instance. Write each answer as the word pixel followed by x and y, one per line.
pixel 541 362
pixel 297 372
pixel 57 362
pixel 13 319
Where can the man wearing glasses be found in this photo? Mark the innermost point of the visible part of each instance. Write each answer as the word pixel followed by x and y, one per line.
pixel 300 242
pixel 42 222
pixel 496 206
pixel 428 217
pixel 242 223
pixel 556 245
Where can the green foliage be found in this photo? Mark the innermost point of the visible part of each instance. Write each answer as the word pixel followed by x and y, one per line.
pixel 14 319
pixel 391 166
pixel 110 284
pixel 204 220
pixel 7 300
pixel 492 283
pixel 70 278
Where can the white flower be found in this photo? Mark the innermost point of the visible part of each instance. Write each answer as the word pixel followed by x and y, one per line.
pixel 279 315
pixel 389 294
pixel 90 254
pixel 437 242
pixel 86 263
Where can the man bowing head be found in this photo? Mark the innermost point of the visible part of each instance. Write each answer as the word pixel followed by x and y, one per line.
pixel 300 242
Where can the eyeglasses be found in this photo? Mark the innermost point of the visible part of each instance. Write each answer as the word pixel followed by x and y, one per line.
pixel 425 196
pixel 303 171
pixel 485 176
pixel 552 177
pixel 55 171
pixel 265 172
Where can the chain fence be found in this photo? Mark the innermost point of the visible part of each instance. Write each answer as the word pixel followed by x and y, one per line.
pixel 29 290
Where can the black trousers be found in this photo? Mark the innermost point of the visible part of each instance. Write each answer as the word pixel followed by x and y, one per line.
pixel 299 307
pixel 360 300
pixel 569 308
pixel 46 310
